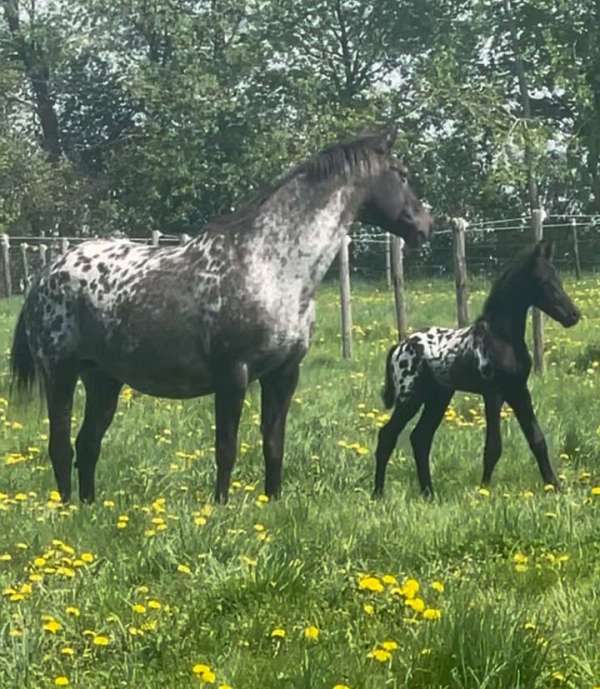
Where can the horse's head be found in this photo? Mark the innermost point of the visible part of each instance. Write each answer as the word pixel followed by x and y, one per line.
pixel 547 292
pixel 390 202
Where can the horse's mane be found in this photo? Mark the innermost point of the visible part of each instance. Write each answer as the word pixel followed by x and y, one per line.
pixel 502 286
pixel 340 158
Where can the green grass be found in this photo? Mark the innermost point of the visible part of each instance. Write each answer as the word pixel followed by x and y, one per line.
pixel 253 567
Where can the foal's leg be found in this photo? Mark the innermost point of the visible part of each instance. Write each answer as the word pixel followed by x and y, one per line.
pixel 60 384
pixel 493 440
pixel 388 436
pixel 277 389
pixel 520 401
pixel 229 400
pixel 436 403
pixel 101 397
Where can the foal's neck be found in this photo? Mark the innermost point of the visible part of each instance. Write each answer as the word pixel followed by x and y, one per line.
pixel 506 312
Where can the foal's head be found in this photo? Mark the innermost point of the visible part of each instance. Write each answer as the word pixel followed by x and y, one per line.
pixel 390 203
pixel 545 288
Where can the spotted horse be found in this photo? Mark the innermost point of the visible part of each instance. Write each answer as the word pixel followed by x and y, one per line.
pixel 231 306
pixel 489 357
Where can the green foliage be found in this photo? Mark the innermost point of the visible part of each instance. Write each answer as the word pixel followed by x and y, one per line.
pixel 169 113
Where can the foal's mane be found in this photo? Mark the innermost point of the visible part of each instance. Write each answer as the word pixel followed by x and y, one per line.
pixel 340 158
pixel 502 287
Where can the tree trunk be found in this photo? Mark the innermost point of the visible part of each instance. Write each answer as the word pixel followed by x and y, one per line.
pixel 37 70
pixel 525 104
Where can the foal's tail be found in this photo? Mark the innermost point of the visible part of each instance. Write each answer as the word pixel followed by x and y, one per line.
pixel 23 371
pixel 389 393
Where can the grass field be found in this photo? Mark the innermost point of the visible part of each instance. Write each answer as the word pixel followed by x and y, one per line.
pixel 154 587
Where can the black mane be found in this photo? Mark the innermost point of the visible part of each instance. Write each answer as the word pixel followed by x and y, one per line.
pixel 340 158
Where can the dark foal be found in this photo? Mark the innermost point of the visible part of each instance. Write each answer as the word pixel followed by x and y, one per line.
pixel 489 357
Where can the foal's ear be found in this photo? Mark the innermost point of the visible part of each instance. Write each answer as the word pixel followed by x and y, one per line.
pixel 387 139
pixel 544 249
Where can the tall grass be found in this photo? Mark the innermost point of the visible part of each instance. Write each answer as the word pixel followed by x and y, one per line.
pixel 151 583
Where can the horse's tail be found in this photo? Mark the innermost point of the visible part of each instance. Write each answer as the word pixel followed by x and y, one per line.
pixel 23 370
pixel 389 393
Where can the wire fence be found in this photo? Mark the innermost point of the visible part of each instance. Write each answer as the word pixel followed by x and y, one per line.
pixel 459 250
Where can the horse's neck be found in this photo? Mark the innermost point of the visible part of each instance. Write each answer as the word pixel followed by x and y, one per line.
pixel 300 230
pixel 507 319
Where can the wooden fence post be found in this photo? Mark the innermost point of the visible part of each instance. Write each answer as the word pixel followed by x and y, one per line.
pixel 388 259
pixel 344 257
pixel 23 248
pixel 576 248
pixel 5 258
pixel 537 226
pixel 459 226
pixel 155 237
pixel 43 257
pixel 397 266
pixel 184 239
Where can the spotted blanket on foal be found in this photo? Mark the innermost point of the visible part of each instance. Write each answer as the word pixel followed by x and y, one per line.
pixel 447 355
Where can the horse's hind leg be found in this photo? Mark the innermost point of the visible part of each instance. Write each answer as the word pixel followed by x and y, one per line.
pixel 493 439
pixel 388 436
pixel 436 403
pixel 60 384
pixel 101 398
pixel 277 389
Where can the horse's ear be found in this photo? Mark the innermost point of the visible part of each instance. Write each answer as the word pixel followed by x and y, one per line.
pixel 545 249
pixel 387 139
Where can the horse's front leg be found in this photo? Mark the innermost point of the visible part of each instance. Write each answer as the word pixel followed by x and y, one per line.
pixel 229 400
pixel 520 400
pixel 493 439
pixel 277 389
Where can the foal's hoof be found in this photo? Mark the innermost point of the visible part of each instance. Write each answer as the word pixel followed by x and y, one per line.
pixel 427 495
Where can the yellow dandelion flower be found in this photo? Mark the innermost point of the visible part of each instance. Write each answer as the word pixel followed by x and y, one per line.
pixel 558 676
pixel 184 569
pixel 278 633
pixel 370 583
pixel 225 686
pixel 369 609
pixel 484 492
pixel 341 686
pixel 311 633
pixel 5 557
pixel 61 681
pixel 410 588
pixel 52 626
pixel 208 677
pixel 380 655
pixel 72 610
pixel 154 605
pixel 87 557
pixel 389 580
pixel 67 651
pixel 389 645
pixel 437 586
pixel 101 640
pixel 417 604
pixel 200 669
pixel 596 490
pixel 432 614
pixel 139 608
